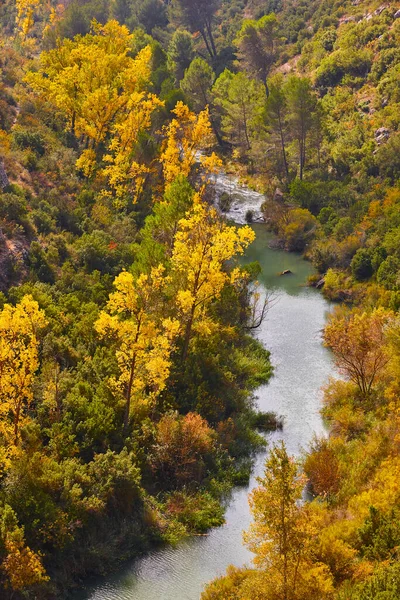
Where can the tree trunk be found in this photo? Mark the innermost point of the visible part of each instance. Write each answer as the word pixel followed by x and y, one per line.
pixel 210 34
pixel 16 423
pixel 188 334
pixel 203 35
pixel 129 394
pixel 283 146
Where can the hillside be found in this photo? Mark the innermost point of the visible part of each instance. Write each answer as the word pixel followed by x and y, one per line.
pixel 127 369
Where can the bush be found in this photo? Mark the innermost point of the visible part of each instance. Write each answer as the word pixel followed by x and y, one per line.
pixel 13 209
pixel 30 140
pixel 340 63
pixel 361 265
pixel 388 273
pixel 225 202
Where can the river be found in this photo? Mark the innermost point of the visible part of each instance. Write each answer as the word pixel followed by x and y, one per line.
pixel 292 332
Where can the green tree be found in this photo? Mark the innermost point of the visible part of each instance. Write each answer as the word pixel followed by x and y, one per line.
pixel 198 15
pixel 302 104
pixel 151 14
pixel 197 83
pixel 276 117
pixel 361 265
pixel 256 42
pixel 241 101
pixel 180 53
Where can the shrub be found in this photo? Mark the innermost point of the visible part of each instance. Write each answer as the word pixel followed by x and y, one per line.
pixel 361 265
pixel 340 63
pixel 30 140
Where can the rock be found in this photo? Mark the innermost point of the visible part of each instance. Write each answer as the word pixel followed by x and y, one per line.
pixel 4 182
pixel 397 14
pixel 380 10
pixel 381 135
pixel 278 195
pixel 345 20
pixel 286 272
pixel 320 284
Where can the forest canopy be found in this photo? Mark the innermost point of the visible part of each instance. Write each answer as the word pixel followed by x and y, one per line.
pixel 127 371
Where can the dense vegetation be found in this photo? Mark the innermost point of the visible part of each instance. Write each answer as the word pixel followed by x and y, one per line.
pixel 126 368
pixel 125 361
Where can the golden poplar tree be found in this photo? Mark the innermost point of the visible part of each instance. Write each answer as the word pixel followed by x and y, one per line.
pixel 283 536
pixel 102 91
pixel 185 136
pixel 203 244
pixel 25 15
pixel 19 362
pixel 143 339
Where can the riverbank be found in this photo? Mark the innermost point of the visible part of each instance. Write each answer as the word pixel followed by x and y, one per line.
pixel 292 330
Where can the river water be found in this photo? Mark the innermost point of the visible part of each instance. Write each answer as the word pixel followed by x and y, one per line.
pixel 292 332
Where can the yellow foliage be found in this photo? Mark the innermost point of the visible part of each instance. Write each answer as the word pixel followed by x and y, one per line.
pixel 25 15
pixel 284 535
pixel 22 566
pixel 203 243
pixel 186 135
pixel 102 91
pixel 144 340
pixel 18 363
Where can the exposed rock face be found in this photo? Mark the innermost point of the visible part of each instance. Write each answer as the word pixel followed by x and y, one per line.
pixel 4 182
pixel 13 257
pixel 381 135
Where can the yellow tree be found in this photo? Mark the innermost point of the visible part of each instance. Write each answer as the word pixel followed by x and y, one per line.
pixel 124 172
pixel 185 136
pixel 203 244
pixel 94 81
pixel 21 565
pixel 283 535
pixel 25 15
pixel 19 362
pixel 358 342
pixel 144 339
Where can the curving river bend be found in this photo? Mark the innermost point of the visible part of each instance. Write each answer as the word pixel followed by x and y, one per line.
pixel 292 332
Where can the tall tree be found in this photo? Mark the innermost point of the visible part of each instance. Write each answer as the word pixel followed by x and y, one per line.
pixel 198 15
pixel 302 104
pixel 276 117
pixel 256 42
pixel 180 53
pixel 283 534
pixel 241 102
pixel 143 339
pixel 19 361
pixel 203 244
pixel 100 89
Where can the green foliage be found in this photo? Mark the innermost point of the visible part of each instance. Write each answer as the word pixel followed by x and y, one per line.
pixel 361 265
pixel 180 53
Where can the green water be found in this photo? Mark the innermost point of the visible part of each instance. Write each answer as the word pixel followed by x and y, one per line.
pixel 292 331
